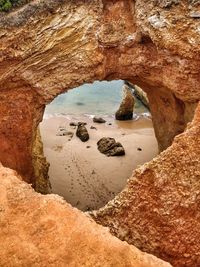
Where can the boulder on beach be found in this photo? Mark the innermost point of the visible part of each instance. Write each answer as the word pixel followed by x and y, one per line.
pixel 110 147
pixel 82 132
pixel 98 120
pixel 125 111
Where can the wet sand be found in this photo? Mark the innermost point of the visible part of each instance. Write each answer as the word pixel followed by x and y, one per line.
pixel 80 173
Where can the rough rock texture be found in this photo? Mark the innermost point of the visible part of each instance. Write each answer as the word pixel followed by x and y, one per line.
pixel 141 95
pixel 125 111
pixel 98 119
pixel 159 210
pixel 38 230
pixel 110 147
pixel 82 132
pixel 41 166
pixel 48 47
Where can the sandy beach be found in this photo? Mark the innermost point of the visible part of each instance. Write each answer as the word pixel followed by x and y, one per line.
pixel 80 173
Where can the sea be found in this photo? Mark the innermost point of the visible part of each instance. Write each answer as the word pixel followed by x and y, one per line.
pixel 101 98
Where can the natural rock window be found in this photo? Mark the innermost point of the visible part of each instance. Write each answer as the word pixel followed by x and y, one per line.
pixel 78 171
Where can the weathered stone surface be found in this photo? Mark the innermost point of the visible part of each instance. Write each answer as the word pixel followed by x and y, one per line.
pixel 41 166
pixel 158 211
pixel 48 47
pixel 82 132
pixel 125 111
pixel 141 95
pixel 98 119
pixel 38 230
pixel 110 147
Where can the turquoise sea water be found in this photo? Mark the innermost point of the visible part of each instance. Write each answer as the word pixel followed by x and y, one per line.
pixel 99 98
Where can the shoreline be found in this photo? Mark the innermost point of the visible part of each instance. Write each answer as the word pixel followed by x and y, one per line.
pixel 79 172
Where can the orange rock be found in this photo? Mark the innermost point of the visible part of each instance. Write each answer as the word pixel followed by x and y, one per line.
pixel 38 230
pixel 49 47
pixel 158 211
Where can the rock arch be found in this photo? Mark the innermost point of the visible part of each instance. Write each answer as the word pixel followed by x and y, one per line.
pixel 50 47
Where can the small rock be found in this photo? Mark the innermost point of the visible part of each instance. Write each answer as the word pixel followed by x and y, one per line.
pixel 82 133
pixel 73 123
pixel 98 120
pixel 93 128
pixel 71 134
pixel 139 149
pixel 61 132
pixel 110 123
pixel 110 147
pixel 88 146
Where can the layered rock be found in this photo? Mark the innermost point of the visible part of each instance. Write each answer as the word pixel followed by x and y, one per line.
pixel 141 95
pixel 52 46
pixel 48 47
pixel 158 211
pixel 38 230
pixel 125 111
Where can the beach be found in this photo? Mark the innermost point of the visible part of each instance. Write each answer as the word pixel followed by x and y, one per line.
pixel 79 172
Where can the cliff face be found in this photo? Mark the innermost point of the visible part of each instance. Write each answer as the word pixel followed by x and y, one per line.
pixel 38 230
pixel 52 46
pixel 48 47
pixel 158 211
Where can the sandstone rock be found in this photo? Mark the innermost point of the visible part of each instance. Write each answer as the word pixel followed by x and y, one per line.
pixel 160 203
pixel 98 120
pixel 195 15
pixel 141 95
pixel 167 3
pixel 110 147
pixel 125 111
pixel 163 61
pixel 82 132
pixel 43 55
pixel 41 166
pixel 38 230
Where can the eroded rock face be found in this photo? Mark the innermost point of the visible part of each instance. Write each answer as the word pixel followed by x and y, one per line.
pixel 52 46
pixel 110 147
pixel 125 111
pixel 38 230
pixel 48 47
pixel 158 211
